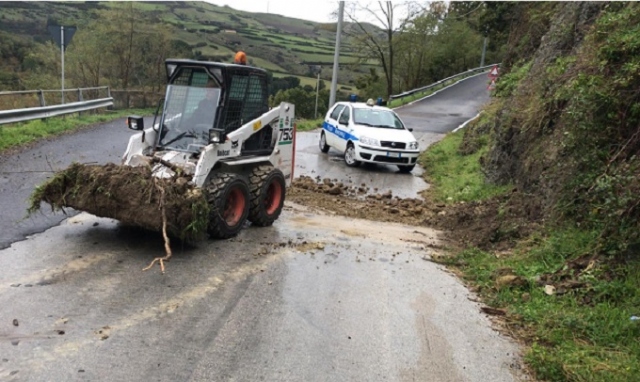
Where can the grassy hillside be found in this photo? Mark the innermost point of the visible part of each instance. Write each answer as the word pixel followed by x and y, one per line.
pixel 274 42
pixel 557 252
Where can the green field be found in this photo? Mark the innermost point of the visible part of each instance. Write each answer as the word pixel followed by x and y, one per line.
pixel 273 42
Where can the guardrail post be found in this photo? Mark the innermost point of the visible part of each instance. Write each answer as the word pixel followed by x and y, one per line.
pixel 41 97
pixel 80 100
pixel 109 96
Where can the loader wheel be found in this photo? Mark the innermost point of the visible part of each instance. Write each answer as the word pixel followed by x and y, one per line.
pixel 267 195
pixel 228 197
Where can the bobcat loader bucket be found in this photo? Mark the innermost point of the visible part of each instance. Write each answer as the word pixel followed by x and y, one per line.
pixel 129 194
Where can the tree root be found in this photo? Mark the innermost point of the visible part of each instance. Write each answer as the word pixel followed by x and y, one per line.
pixel 167 243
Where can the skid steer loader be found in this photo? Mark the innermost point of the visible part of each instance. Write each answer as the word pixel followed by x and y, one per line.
pixel 214 124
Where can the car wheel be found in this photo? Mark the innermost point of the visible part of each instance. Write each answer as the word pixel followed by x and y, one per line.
pixel 323 143
pixel 350 156
pixel 407 169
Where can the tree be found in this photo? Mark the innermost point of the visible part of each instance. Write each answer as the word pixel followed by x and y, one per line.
pixel 13 52
pixel 415 46
pixel 459 47
pixel 437 43
pixel 373 43
pixel 369 85
pixel 123 50
pixel 86 58
pixel 283 83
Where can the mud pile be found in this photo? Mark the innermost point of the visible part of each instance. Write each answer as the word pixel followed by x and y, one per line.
pixel 355 201
pixel 131 195
pixel 492 224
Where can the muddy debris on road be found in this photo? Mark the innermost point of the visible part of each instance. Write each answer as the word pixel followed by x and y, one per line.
pixel 491 224
pixel 131 195
pixel 353 201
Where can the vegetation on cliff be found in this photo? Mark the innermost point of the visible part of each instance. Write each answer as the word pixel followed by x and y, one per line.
pixel 562 136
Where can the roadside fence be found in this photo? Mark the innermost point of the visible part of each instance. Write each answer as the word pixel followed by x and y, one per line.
pixel 26 105
pixel 416 93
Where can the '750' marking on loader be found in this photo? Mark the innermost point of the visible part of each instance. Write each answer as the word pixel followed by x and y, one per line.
pixel 286 136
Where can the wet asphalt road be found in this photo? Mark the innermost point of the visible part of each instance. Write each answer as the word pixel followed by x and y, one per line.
pixel 313 298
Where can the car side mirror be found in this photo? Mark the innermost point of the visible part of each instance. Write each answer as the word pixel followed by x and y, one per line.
pixel 217 136
pixel 135 122
pixel 410 129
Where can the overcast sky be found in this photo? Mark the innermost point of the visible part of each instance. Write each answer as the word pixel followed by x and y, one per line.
pixel 314 10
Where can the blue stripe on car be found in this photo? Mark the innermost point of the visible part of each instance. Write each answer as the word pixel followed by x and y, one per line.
pixel 339 133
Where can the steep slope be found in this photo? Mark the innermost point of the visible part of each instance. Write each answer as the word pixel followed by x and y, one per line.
pixel 564 122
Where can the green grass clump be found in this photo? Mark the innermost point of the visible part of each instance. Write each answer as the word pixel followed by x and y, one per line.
pixel 583 332
pixel 456 177
pixel 583 335
pixel 22 133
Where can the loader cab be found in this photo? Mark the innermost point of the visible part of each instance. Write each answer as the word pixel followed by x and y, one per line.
pixel 202 97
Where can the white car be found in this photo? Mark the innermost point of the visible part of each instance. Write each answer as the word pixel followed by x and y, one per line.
pixel 368 133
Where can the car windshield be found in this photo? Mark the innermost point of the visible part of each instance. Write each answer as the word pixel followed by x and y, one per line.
pixel 377 118
pixel 189 113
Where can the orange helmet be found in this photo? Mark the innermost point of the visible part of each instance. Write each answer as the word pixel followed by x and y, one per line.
pixel 240 58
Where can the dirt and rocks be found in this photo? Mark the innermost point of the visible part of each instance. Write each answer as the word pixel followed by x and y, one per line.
pixel 131 195
pixel 492 224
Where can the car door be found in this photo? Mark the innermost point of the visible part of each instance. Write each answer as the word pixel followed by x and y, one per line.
pixel 331 123
pixel 343 129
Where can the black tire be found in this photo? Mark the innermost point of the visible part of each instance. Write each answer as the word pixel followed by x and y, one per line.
pixel 267 187
pixel 350 156
pixel 228 197
pixel 322 143
pixel 407 169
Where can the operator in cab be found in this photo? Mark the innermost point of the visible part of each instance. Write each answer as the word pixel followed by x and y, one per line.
pixel 206 105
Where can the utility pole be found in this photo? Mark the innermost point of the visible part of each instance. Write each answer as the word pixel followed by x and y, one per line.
pixel 336 57
pixel 317 91
pixel 62 58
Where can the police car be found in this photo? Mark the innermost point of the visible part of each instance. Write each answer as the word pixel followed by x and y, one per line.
pixel 369 133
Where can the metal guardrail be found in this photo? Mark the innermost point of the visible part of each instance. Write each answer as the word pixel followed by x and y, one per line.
pixel 435 84
pixel 31 113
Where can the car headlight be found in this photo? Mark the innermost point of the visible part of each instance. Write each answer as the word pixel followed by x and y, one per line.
pixel 413 145
pixel 369 141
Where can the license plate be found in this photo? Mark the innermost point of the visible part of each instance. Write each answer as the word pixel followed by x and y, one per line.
pixel 393 155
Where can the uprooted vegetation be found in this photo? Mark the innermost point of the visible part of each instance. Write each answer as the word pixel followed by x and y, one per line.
pixel 131 195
